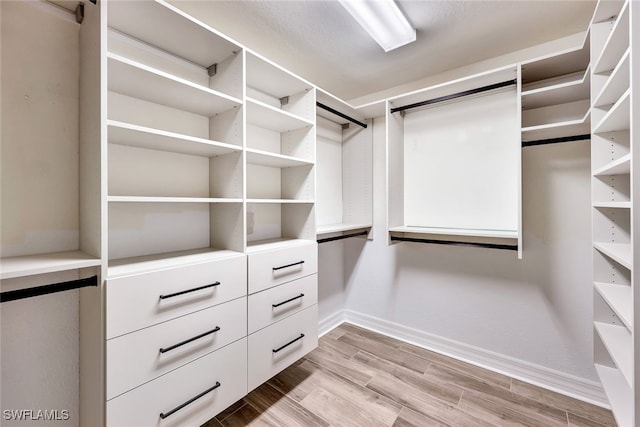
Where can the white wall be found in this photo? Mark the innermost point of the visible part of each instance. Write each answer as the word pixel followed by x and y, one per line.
pixel 537 310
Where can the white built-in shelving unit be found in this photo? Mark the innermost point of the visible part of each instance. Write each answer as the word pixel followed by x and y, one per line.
pixel 443 187
pixel 344 172
pixel 614 161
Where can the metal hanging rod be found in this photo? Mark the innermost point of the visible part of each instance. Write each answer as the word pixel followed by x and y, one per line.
pixel 48 289
pixel 344 236
pixel 454 243
pixel 556 140
pixel 456 95
pixel 338 113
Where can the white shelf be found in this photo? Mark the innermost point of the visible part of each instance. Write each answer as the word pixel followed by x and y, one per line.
pixel 29 265
pixel 149 21
pixel 606 10
pixel 619 166
pixel 619 394
pixel 615 205
pixel 340 228
pixel 617 83
pixel 140 81
pixel 141 264
pixel 618 117
pixel 618 342
pixel 501 234
pixel 271 79
pixel 156 139
pixel 265 158
pixel 558 91
pixel 620 299
pixel 144 199
pixel 280 201
pixel 619 252
pixel 271 244
pixel 616 44
pixel 268 117
pixel 557 130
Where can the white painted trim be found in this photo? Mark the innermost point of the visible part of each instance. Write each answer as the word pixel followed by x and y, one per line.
pixel 331 322
pixel 550 379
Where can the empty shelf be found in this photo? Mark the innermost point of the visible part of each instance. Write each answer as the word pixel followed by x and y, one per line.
pixel 621 166
pixel 502 234
pixel 29 265
pixel 338 228
pixel 618 392
pixel 619 298
pixel 280 201
pixel 265 158
pixel 615 205
pixel 616 44
pixel 619 252
pixel 618 342
pixel 268 117
pixel 618 117
pixel 560 92
pixel 617 83
pixel 278 243
pixel 145 199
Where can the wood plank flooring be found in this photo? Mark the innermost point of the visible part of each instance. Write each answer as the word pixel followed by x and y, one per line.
pixel 360 378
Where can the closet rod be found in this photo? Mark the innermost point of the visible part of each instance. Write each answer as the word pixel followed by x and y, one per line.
pixel 344 236
pixel 454 243
pixel 338 113
pixel 556 140
pixel 456 95
pixel 48 289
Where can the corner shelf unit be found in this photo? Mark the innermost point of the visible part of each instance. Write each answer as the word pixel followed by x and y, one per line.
pixel 555 96
pixel 422 148
pixel 614 160
pixel 344 169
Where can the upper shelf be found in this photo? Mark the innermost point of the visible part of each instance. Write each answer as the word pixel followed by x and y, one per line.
pixel 606 10
pixel 616 45
pixel 571 61
pixel 140 81
pixel 156 139
pixel 272 79
pixel 573 87
pixel 617 83
pixel 190 39
pixel 500 234
pixel 30 265
pixel 268 117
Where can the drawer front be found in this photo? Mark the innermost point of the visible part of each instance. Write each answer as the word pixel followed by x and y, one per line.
pixel 142 406
pixel 141 300
pixel 281 301
pixel 137 357
pixel 268 349
pixel 270 268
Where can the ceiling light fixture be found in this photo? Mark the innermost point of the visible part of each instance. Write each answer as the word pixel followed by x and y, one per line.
pixel 383 20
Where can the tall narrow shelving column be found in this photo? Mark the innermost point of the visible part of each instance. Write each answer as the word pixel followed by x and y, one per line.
pixel 614 160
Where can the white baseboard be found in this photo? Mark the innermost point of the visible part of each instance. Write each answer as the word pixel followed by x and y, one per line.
pixel 559 382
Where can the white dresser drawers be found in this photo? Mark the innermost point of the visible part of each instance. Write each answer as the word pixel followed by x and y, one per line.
pixel 281 301
pixel 272 267
pixel 140 300
pixel 277 346
pixel 186 396
pixel 140 356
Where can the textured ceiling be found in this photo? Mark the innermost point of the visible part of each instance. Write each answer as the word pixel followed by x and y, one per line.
pixel 321 42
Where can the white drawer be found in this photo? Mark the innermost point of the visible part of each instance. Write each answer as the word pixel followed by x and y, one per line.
pixel 137 301
pixel 144 405
pixel 282 301
pixel 137 357
pixel 273 267
pixel 277 346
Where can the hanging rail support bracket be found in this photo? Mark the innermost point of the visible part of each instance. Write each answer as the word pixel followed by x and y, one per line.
pixel 79 13
pixel 339 114
pixel 456 95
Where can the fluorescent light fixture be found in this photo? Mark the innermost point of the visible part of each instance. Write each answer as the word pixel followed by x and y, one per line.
pixel 383 20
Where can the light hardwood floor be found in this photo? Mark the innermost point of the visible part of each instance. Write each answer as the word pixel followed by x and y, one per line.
pixel 360 378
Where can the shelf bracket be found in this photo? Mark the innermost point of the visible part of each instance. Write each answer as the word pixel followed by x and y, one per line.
pixel 212 70
pixel 284 101
pixel 345 126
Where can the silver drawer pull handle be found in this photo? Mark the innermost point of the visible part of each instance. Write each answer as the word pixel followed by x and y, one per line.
pixel 288 265
pixel 164 415
pixel 189 290
pixel 275 350
pixel 204 334
pixel 289 300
